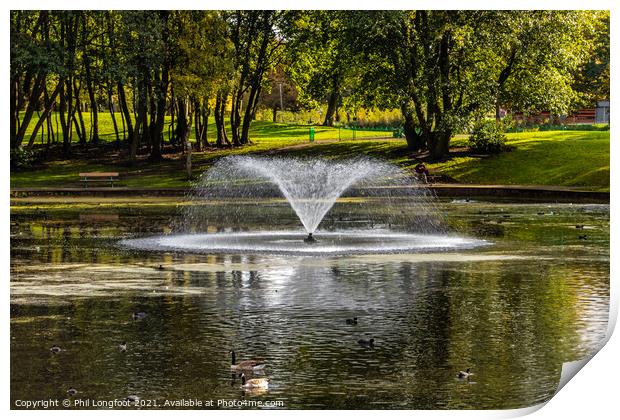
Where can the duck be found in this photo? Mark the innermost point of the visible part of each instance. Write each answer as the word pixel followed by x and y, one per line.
pixel 122 347
pixel 578 226
pixel 72 391
pixel 352 321
pixel 366 343
pixel 132 398
pixel 138 315
pixel 55 349
pixel 161 267
pixel 583 236
pixel 260 383
pixel 464 375
pixel 245 364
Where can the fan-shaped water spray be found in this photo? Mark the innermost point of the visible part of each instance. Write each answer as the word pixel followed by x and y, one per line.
pixel 311 187
pixel 239 208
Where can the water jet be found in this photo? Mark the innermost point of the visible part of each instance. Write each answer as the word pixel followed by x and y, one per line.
pixel 384 210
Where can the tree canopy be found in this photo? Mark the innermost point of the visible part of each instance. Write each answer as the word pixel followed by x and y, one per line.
pixel 442 69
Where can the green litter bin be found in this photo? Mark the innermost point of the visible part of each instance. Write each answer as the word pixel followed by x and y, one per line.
pixel 311 134
pixel 398 133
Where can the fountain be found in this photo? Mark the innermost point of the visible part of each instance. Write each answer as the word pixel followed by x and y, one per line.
pixel 243 192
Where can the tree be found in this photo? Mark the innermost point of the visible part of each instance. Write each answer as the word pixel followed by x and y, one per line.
pixel 36 60
pixel 200 62
pixel 280 93
pixel 592 76
pixel 535 55
pixel 445 68
pixel 257 49
pixel 145 36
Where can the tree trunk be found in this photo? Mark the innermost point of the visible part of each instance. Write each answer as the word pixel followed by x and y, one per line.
pixel 220 105
pixel 197 126
pixel 414 140
pixel 122 101
pixel 111 108
pixel 332 104
pixel 82 127
pixel 94 123
pixel 161 86
pixel 33 99
pixel 49 102
pixel 249 113
pixel 14 112
pixel 81 132
pixel 439 144
pixel 235 117
pixel 184 128
pixel 205 123
pixel 274 111
pixel 141 121
pixel 66 121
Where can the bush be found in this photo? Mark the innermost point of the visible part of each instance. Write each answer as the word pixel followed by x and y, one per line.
pixel 487 137
pixel 22 158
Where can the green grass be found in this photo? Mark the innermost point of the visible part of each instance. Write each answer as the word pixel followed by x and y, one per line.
pixel 577 159
pixel 572 158
pixel 264 136
pixel 261 131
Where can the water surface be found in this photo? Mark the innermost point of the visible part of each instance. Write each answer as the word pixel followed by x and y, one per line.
pixel 513 311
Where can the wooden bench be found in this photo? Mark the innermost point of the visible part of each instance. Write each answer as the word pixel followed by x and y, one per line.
pixel 87 177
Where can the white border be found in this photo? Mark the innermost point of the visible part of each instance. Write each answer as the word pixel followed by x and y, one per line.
pixel 592 394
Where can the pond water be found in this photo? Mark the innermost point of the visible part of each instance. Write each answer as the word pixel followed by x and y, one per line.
pixel 513 311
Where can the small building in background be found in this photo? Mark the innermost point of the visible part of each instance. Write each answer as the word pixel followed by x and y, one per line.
pixel 602 112
pixel 597 115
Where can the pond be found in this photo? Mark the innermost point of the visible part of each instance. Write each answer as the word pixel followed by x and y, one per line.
pixel 536 295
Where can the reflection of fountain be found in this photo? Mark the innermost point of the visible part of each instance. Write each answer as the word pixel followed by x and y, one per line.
pixel 239 190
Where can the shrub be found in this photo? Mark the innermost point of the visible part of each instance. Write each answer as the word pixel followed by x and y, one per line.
pixel 487 137
pixel 22 158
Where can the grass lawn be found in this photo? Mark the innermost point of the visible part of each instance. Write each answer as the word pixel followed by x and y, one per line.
pixel 565 158
pixel 264 135
pixel 561 158
pixel 577 159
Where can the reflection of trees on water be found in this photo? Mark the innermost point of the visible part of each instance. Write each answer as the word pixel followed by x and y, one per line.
pixel 512 322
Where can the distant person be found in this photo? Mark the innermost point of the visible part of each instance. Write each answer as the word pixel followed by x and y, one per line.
pixel 421 171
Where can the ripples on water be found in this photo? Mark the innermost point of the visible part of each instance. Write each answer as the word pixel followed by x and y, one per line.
pixel 513 312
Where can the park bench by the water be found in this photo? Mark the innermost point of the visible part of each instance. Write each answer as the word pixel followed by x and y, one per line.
pixel 87 177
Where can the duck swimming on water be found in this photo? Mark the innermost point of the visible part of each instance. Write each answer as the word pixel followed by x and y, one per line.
pixel 366 343
pixel 464 375
pixel 245 364
pixel 138 315
pixel 262 383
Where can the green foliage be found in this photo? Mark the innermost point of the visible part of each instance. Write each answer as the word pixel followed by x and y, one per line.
pixel 487 137
pixel 592 76
pixel 22 159
pixel 200 52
